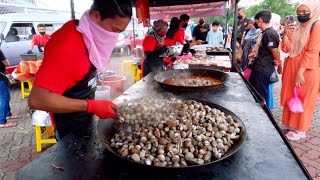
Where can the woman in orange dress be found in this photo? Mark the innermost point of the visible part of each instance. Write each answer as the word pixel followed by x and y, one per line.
pixel 301 68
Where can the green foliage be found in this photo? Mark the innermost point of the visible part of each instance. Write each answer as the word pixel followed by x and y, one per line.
pixel 221 19
pixel 283 8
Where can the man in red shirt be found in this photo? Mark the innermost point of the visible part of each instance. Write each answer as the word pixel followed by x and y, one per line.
pixel 66 81
pixel 40 39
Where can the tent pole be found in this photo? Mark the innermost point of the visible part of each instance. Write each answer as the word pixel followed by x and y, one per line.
pixel 226 30
pixel 234 34
pixel 133 26
pixel 72 10
pixel 134 35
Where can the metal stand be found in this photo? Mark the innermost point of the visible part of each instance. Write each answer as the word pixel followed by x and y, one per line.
pixel 226 30
pixel 234 35
pixel 72 10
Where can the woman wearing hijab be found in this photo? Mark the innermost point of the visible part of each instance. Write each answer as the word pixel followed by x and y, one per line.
pixel 153 47
pixel 248 43
pixel 301 68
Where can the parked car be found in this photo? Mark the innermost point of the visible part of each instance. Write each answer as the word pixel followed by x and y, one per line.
pixel 17 30
pixel 127 41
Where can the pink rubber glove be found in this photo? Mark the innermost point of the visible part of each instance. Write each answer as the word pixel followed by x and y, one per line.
pixel 102 108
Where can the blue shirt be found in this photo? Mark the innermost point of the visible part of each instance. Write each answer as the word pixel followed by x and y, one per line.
pixel 214 38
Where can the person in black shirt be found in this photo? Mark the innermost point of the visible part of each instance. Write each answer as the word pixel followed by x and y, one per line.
pixel 242 23
pixel 4 95
pixel 268 55
pixel 201 30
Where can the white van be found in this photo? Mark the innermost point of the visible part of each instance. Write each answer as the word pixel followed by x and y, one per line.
pixel 17 29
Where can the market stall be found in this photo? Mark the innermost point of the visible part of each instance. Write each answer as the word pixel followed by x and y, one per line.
pixel 263 155
pixel 168 9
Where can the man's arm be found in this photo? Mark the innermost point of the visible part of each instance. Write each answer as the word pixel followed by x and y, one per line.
pixel 4 60
pixel 6 63
pixel 33 43
pixel 276 56
pixel 43 99
pixel 31 46
pixel 271 40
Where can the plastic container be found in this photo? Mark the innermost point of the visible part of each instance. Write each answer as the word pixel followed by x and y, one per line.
pixel 116 84
pixel 102 93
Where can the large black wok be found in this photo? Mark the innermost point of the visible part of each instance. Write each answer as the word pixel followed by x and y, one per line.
pixel 219 75
pixel 107 128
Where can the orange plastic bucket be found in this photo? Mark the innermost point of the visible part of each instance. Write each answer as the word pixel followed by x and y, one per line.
pixel 116 84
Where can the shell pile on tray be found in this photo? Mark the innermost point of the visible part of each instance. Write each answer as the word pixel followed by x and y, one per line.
pixel 215 49
pixel 195 60
pixel 193 82
pixel 173 133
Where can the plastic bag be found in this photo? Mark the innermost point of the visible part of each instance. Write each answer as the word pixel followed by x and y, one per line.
pixel 9 77
pixel 295 103
pixel 41 118
pixel 274 77
pixel 247 73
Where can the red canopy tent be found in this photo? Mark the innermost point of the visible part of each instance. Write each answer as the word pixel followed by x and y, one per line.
pixel 193 10
pixel 166 9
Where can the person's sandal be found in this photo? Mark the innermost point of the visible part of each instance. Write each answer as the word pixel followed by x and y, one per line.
pixel 8 124
pixel 285 127
pixel 13 117
pixel 294 136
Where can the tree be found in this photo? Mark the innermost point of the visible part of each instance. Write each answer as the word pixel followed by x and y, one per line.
pixel 221 19
pixel 283 8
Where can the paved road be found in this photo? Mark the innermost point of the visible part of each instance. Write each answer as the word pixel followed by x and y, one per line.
pixel 17 145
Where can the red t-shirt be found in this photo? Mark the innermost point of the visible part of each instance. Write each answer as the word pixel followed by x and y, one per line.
pixel 37 39
pixel 178 37
pixel 65 60
pixel 149 44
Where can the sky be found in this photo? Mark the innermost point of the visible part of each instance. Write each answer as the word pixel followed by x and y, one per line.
pixel 247 3
pixel 64 5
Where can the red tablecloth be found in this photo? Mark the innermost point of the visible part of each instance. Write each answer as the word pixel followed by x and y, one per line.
pixel 27 69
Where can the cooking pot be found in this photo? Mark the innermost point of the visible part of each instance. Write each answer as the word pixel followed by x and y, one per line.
pixel 218 75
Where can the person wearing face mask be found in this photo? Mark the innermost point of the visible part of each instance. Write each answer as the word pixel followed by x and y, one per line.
pixel 243 22
pixel 201 30
pixel 248 43
pixel 66 81
pixel 40 39
pixel 184 20
pixel 267 55
pixel 301 68
pixel 215 36
pixel 153 46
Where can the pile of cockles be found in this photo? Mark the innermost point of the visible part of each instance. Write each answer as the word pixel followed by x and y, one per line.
pixel 173 132
pixel 194 82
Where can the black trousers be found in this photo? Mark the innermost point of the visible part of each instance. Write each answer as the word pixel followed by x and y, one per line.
pixel 260 81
